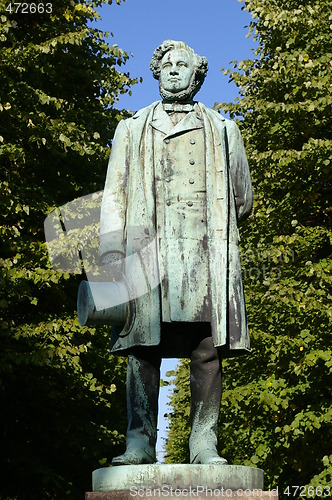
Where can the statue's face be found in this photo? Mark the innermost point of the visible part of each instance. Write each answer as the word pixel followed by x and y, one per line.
pixel 176 71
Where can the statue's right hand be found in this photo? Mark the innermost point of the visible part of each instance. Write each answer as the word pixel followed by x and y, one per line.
pixel 113 265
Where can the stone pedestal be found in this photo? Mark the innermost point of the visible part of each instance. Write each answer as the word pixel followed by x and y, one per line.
pixel 200 481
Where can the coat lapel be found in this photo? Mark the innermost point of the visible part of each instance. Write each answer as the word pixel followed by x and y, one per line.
pixel 162 122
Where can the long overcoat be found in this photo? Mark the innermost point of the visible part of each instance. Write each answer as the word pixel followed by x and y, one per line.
pixel 128 225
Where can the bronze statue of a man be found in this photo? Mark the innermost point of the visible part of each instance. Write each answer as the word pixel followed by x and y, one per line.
pixel 178 182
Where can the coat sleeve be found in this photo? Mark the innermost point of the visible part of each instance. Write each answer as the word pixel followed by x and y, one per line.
pixel 114 202
pixel 239 171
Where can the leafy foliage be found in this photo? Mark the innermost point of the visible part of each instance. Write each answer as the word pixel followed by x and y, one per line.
pixel 276 410
pixel 61 391
pixel 177 449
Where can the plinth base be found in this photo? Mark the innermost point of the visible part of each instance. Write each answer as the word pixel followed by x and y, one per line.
pixel 176 480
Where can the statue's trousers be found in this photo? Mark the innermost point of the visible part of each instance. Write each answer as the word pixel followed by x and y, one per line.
pixel 143 380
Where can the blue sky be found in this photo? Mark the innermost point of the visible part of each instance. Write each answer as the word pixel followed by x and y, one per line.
pixel 213 28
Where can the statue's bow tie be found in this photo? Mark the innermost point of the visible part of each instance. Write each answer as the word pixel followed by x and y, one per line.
pixel 176 107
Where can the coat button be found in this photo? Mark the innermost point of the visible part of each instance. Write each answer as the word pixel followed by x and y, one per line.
pixel 168 202
pixel 192 141
pixel 167 141
pixel 192 162
pixel 191 180
pixel 189 203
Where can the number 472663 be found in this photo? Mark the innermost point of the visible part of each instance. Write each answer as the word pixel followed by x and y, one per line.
pixel 29 8
pixel 308 491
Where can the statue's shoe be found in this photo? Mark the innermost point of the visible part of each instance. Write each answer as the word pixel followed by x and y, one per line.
pixel 209 457
pixel 133 457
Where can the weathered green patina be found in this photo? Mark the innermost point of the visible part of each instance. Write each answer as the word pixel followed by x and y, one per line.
pixel 177 187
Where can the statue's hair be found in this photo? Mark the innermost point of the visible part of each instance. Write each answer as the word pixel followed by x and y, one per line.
pixel 200 62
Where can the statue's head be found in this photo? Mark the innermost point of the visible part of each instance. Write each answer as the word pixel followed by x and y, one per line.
pixel 180 71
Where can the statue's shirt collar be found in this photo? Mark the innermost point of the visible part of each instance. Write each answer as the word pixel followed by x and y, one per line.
pixel 162 122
